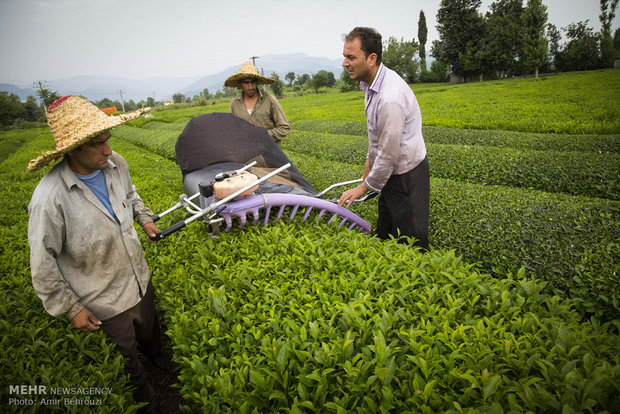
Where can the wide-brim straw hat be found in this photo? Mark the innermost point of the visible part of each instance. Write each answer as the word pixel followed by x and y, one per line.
pixel 247 71
pixel 73 122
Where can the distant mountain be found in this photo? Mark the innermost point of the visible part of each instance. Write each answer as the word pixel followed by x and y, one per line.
pixel 96 88
pixel 22 91
pixel 297 63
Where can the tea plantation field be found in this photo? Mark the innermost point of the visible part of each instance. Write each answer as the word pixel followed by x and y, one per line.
pixel 516 308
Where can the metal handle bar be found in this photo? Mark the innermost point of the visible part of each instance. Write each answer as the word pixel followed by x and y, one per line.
pixel 338 185
pixel 182 203
pixel 367 196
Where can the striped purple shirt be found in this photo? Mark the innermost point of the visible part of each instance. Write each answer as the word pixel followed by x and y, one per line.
pixel 395 142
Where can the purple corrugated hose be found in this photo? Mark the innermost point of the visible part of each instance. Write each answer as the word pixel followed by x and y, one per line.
pixel 252 205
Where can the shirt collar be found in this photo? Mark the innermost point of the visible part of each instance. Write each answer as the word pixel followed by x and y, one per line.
pixel 69 176
pixel 376 83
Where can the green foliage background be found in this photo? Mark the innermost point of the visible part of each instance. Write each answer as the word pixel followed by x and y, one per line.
pixel 514 309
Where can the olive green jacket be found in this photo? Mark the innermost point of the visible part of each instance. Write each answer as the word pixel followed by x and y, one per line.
pixel 267 113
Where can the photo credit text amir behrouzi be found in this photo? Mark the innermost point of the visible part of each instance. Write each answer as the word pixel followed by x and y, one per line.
pixel 42 395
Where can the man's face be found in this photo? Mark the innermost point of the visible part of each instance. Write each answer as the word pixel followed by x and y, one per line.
pixel 91 156
pixel 355 60
pixel 249 87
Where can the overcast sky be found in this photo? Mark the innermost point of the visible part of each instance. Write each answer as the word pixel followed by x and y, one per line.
pixel 60 39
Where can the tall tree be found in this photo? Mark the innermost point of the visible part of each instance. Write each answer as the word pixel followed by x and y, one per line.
pixel 45 94
pixel 322 78
pixel 535 48
pixel 422 38
pixel 581 50
pixel 302 79
pixel 33 112
pixel 346 83
pixel 290 77
pixel 502 43
pixel 400 57
pixel 460 29
pixel 10 108
pixel 608 13
pixel 277 87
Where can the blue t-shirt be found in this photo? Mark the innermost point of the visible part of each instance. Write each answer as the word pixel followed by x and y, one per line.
pixel 96 183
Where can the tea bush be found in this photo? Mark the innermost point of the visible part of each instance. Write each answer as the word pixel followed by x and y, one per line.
pixel 298 318
pixel 554 236
pixel 492 138
pixel 157 140
pixel 569 103
pixel 550 235
pixel 303 316
pixel 10 141
pixel 169 115
pixel 524 140
pixel 587 104
pixel 572 172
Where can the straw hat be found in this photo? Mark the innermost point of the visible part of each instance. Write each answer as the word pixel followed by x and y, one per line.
pixel 74 121
pixel 247 71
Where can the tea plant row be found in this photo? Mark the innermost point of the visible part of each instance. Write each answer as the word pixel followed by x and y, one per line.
pixel 609 143
pixel 299 318
pixel 568 241
pixel 573 172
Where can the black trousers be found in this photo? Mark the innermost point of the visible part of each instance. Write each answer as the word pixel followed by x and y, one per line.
pixel 404 206
pixel 133 328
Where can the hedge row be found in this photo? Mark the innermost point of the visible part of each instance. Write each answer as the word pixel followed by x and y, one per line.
pixel 577 173
pixel 10 141
pixel 170 115
pixel 157 140
pixel 492 138
pixel 571 242
pixel 298 318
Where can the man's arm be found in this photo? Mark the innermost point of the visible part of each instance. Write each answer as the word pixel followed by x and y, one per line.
pixel 281 125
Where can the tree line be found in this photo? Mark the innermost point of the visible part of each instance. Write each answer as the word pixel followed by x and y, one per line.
pixel 516 39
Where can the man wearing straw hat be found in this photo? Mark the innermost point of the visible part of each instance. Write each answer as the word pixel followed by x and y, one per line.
pixel 256 106
pixel 86 259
